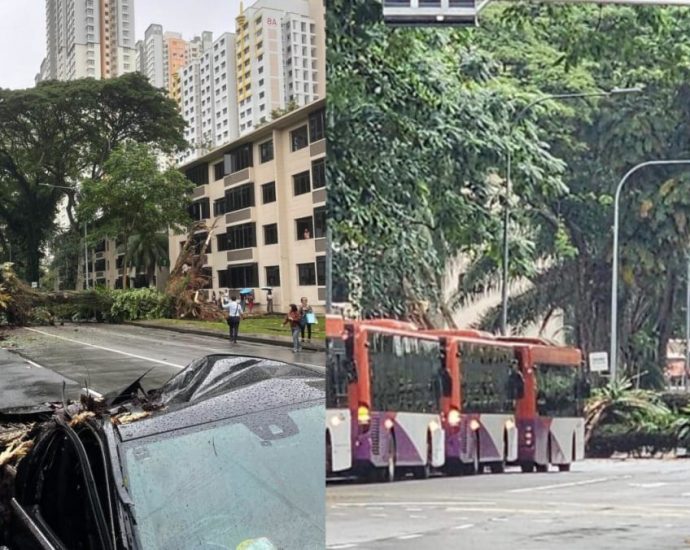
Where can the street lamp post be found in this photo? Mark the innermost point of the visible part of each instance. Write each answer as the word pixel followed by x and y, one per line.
pixel 687 323
pixel 509 185
pixel 614 271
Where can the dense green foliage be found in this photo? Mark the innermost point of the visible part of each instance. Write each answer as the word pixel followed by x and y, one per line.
pixel 134 200
pixel 420 124
pixel 140 303
pixel 59 133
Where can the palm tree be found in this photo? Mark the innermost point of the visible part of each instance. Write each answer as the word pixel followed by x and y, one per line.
pixel 145 252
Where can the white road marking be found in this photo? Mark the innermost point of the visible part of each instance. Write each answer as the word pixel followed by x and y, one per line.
pixel 108 349
pixel 205 349
pixel 378 515
pixel 417 517
pixel 341 546
pixel 561 485
pixel 409 537
pixel 92 393
pixel 413 509
pixel 464 526
pixel 35 364
pixel 462 504
pixel 648 485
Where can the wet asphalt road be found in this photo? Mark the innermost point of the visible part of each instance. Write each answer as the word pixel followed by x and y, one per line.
pixel 600 505
pixel 109 357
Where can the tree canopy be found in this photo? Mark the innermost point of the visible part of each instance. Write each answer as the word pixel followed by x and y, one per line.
pixel 59 133
pixel 420 124
pixel 134 197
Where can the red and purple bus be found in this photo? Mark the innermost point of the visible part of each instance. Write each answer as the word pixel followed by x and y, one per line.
pixel 387 386
pixel 479 418
pixel 550 414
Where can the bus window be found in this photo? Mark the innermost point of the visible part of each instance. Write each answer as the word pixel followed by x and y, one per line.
pixel 485 377
pixel 557 390
pixel 404 373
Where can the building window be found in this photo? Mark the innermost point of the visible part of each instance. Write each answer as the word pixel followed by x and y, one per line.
pixel 271 233
pixel 240 197
pixel 321 270
pixel 305 228
pixel 272 275
pixel 219 170
pixel 318 173
pixel 266 151
pixel 307 274
pixel 198 174
pixel 268 192
pixel 301 183
pixel 317 125
pixel 242 276
pixel 241 236
pixel 239 159
pixel 222 241
pixel 319 222
pixel 200 210
pixel 223 278
pixel 299 139
pixel 220 207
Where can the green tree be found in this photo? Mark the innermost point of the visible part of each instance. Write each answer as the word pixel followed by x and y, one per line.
pixel 146 251
pixel 417 134
pixel 60 132
pixel 134 197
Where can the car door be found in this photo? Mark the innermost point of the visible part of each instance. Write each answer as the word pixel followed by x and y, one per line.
pixel 57 504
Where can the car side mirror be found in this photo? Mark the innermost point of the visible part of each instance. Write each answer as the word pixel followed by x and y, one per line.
pixel 446 382
pixel 584 388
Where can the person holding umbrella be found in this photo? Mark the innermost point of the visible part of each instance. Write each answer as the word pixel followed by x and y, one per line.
pixel 234 316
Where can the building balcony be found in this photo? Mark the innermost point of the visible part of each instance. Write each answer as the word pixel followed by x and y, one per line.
pixel 241 176
pixel 241 255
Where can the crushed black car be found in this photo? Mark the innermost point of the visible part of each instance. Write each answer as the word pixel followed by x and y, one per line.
pixel 225 455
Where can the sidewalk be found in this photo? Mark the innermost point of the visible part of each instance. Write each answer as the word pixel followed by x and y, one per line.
pixel 284 341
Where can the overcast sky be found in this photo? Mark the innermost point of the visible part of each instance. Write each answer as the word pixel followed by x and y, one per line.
pixel 22 29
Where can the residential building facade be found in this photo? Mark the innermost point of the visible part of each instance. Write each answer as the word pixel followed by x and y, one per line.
pixel 208 96
pixel 279 53
pixel 266 194
pixel 88 39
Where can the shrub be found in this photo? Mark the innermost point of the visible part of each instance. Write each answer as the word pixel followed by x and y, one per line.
pixel 42 316
pixel 632 440
pixel 140 303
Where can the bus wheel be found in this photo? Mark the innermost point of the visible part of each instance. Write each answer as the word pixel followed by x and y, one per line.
pixel 497 467
pixel 423 472
pixel 388 473
pixel 527 467
pixel 542 468
pixel 564 467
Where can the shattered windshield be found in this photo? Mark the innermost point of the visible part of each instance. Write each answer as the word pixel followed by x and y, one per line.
pixel 246 484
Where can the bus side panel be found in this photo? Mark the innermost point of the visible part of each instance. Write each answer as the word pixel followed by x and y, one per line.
pixel 412 433
pixel 338 426
pixel 567 440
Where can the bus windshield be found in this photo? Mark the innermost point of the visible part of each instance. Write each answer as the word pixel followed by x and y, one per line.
pixel 405 373
pixel 557 390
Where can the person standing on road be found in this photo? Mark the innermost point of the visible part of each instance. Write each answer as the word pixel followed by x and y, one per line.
pixel 307 314
pixel 234 316
pixel 293 317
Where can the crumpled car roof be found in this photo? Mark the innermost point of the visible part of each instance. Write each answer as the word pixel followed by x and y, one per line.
pixel 217 374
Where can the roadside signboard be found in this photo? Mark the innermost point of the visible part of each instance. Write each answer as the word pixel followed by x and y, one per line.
pixel 599 361
pixel 425 13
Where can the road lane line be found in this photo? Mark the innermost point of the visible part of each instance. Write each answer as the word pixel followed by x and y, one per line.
pixel 205 349
pixel 561 485
pixel 409 537
pixel 463 526
pixel 108 349
pixel 341 546
pixel 34 364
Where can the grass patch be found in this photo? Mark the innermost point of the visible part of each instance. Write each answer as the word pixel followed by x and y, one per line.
pixel 268 325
